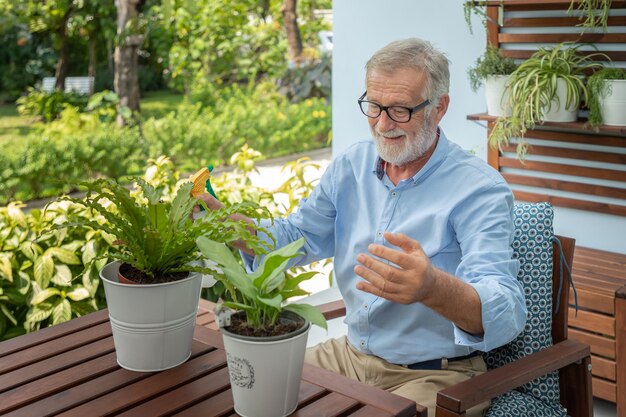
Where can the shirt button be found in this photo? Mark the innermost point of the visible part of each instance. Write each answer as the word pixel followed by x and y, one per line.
pixel 362 342
pixel 379 234
pixel 394 194
pixel 365 307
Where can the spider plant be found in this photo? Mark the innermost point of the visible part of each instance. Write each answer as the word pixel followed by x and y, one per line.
pixel 588 17
pixel 533 90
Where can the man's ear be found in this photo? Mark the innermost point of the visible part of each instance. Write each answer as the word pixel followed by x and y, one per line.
pixel 442 107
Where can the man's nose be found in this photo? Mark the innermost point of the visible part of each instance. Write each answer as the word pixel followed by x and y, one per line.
pixel 385 122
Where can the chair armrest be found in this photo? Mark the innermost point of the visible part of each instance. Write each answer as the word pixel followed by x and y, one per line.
pixel 333 309
pixel 467 394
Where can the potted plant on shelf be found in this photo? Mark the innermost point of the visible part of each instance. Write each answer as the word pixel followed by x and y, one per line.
pixel 153 286
pixel 548 86
pixel 493 70
pixel 607 97
pixel 264 339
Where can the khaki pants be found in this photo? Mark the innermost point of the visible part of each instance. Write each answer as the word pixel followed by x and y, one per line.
pixel 339 356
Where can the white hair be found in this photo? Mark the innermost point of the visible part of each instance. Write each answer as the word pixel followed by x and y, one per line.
pixel 417 54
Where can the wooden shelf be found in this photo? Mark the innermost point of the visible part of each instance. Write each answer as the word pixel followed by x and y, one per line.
pixel 536 4
pixel 578 126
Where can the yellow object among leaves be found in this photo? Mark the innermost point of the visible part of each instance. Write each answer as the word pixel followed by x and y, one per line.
pixel 199 180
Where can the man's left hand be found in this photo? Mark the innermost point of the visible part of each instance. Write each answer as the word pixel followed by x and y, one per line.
pixel 407 278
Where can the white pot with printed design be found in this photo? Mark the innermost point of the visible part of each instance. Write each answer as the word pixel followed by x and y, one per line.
pixel 265 372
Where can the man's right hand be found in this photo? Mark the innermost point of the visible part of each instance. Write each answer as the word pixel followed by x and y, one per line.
pixel 214 204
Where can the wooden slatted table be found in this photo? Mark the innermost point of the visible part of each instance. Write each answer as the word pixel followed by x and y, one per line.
pixel 71 370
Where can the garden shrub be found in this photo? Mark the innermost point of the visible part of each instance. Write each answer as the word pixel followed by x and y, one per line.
pixel 48 106
pixel 214 125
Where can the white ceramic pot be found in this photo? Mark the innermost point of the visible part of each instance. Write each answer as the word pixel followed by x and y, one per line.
pixel 557 112
pixel 265 372
pixel 152 324
pixel 497 95
pixel 613 105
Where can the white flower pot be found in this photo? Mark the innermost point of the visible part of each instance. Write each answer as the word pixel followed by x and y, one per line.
pixel 613 105
pixel 152 324
pixel 557 112
pixel 497 95
pixel 265 372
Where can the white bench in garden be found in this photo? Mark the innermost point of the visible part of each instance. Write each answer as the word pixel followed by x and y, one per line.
pixel 80 85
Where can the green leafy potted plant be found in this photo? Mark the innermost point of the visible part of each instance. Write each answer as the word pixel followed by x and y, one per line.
pixel 264 339
pixel 493 70
pixel 153 286
pixel 548 86
pixel 607 97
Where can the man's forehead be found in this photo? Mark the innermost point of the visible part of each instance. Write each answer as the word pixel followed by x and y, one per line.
pixel 403 83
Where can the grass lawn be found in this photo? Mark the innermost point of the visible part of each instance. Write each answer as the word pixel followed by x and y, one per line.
pixel 158 103
pixel 13 126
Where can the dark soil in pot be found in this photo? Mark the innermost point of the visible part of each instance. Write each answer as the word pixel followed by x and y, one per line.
pixel 130 275
pixel 287 322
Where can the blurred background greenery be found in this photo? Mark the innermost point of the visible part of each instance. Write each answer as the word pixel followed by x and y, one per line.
pixel 211 76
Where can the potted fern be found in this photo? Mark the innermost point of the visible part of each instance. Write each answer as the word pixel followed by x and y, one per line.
pixel 153 286
pixel 607 97
pixel 548 86
pixel 493 70
pixel 265 339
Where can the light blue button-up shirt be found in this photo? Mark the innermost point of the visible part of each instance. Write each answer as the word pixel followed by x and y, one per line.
pixel 457 207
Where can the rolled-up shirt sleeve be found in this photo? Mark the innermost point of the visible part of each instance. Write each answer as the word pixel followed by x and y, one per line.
pixel 484 229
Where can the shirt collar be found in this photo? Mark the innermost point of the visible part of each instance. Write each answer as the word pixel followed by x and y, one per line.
pixel 435 159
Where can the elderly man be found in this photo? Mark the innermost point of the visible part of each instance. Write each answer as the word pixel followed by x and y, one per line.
pixel 420 233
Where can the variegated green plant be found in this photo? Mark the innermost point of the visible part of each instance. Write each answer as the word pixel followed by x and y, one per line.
pixel 48 280
pixel 156 236
pixel 261 294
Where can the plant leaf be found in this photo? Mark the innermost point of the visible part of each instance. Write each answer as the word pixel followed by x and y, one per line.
pixel 61 312
pixel 63 275
pixel 6 271
pixel 272 302
pixel 43 295
pixel 64 255
pixel 44 269
pixel 79 293
pixel 218 252
pixel 308 312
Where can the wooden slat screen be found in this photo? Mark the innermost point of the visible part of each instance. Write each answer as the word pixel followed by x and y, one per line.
pixel 569 164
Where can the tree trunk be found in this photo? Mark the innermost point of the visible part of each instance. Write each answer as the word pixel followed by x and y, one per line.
pixel 62 64
pixel 294 41
pixel 126 81
pixel 93 59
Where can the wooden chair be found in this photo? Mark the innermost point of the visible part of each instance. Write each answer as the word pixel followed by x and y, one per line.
pixel 569 357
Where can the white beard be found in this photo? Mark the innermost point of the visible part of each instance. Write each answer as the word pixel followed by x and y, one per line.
pixel 402 151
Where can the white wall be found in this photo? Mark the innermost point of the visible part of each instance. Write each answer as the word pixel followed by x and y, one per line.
pixel 360 27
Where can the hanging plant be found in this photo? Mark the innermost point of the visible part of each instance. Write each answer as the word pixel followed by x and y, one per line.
pixel 589 16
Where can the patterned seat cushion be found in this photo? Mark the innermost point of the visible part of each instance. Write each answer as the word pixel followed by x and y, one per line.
pixel 532 246
pixel 518 404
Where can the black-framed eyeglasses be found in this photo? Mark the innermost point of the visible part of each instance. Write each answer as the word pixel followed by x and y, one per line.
pixel 398 114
